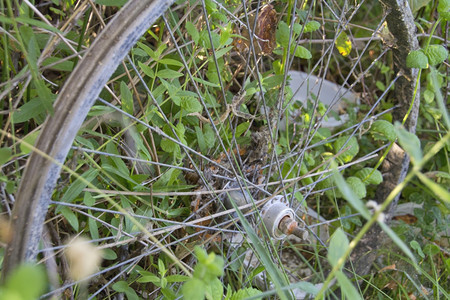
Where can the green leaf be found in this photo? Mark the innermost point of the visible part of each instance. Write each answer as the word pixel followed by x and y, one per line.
pixel 348 289
pixel 444 9
pixel 122 287
pixel 88 200
pixel 177 278
pixel 370 176
pixel 415 245
pixel 302 52
pixel 194 289
pixel 78 185
pixel 220 53
pixel 409 142
pixel 93 228
pixel 343 44
pixel 311 26
pixel 70 217
pixel 27 281
pixel 210 136
pixel 352 145
pixel 214 290
pixel 245 293
pixel 32 22
pixel 383 130
pixel 397 240
pixel 109 254
pixel 338 245
pixel 193 32
pixel 417 59
pixel 169 146
pixel 417 4
pixel 282 34
pixel 436 54
pixel 127 98
pixel 31 109
pixel 191 104
pixel 348 194
pixel 58 64
pixel 5 155
pixel 437 189
pixel 148 277
pixel 171 62
pixel 357 186
pixel 147 70
pixel 168 74
pixel 30 139
pixel 111 2
pixel 201 139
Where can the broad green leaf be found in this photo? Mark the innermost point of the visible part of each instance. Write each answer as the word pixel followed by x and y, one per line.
pixel 409 142
pixel 193 32
pixel 168 74
pixel 78 185
pixel 436 54
pixel 302 52
pixel 348 289
pixel 415 245
pixel 338 245
pixel 191 104
pixel 127 98
pixel 444 9
pixel 5 155
pixel 311 26
pixel 31 109
pixel 169 146
pixel 282 34
pixel 109 254
pixel 383 130
pixel 120 286
pixel 30 139
pixel 194 289
pixel 343 44
pixel 70 216
pixel 123 287
pixel 214 289
pixel 88 200
pixel 357 186
pixel 27 281
pixel 417 59
pixel 351 146
pixel 348 194
pixel 370 176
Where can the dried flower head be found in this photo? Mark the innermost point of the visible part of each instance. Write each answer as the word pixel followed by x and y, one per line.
pixel 83 257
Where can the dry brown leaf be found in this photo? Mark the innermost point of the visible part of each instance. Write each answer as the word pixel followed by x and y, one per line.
pixel 265 31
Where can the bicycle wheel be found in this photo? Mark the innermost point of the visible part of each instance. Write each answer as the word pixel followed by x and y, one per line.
pixel 217 106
